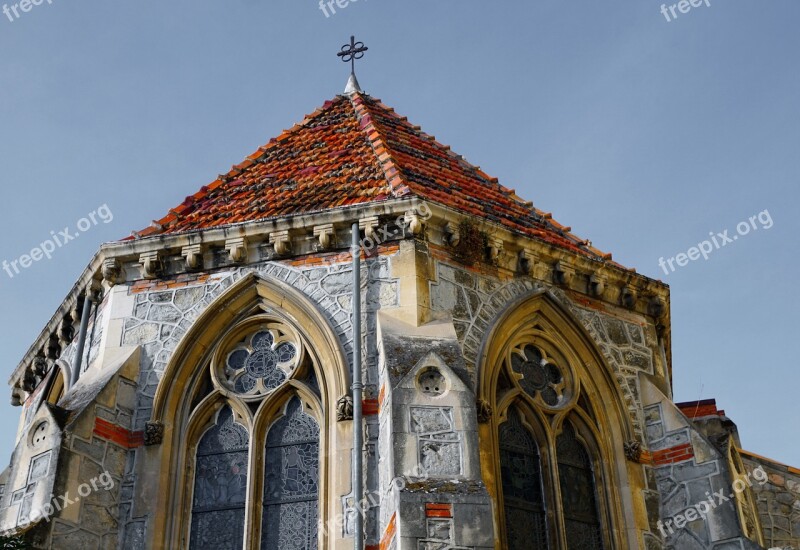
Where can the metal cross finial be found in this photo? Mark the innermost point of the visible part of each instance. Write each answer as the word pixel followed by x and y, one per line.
pixel 352 51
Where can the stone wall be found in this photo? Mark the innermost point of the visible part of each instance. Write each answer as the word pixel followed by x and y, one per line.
pixel 697 494
pixel 778 501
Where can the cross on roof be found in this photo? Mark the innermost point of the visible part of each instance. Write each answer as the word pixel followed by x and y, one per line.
pixel 352 51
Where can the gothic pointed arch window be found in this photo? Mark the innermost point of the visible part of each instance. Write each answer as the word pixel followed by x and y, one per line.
pixel 521 469
pixel 291 488
pixel 549 450
pixel 260 386
pixel 220 485
pixel 578 492
pixel 540 384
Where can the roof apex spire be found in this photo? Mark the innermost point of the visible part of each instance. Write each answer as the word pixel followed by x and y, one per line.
pixel 352 85
pixel 349 53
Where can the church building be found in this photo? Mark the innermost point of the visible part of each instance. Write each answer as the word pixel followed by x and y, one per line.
pixel 227 378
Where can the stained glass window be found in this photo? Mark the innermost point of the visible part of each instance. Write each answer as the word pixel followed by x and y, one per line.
pixel 522 487
pixel 220 486
pixel 291 482
pixel 578 496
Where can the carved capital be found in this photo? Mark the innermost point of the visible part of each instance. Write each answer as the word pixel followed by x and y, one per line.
pixel 153 433
pixel 325 234
pixel 193 256
pixel 484 410
pixel 369 226
pixel 112 271
pixel 282 242
pixel 344 408
pixel 237 249
pixel 150 263
pixel 633 451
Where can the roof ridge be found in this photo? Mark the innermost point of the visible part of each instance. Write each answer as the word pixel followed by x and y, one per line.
pixel 177 212
pixel 457 156
pixel 377 140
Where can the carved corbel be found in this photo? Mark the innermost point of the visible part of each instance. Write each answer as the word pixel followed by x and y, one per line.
pixel 525 261
pixel 561 275
pixel 484 410
pixel 17 396
pixel 655 307
pixel 40 365
pixel 193 256
pixel 282 242
pixel 495 246
pixel 237 249
pixel 369 226
pixel 150 263
pixel 633 451
pixel 95 291
pixel 66 332
pixel 344 408
pixel 153 433
pixel 29 381
pixel 627 297
pixel 77 311
pixel 53 348
pixel 325 235
pixel 597 285
pixel 112 271
pixel 414 222
pixel 452 236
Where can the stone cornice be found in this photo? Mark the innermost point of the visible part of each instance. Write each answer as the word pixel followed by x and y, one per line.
pixel 300 235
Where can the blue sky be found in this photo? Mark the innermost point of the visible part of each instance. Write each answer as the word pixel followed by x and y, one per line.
pixel 643 135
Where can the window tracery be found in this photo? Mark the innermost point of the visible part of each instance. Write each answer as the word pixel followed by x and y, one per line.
pixel 249 367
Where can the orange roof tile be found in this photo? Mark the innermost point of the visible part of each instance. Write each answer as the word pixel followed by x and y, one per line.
pixel 354 150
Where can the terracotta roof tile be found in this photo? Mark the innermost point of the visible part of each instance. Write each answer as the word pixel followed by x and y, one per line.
pixel 355 150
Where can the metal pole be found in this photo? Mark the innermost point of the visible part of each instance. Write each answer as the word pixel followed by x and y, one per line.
pixel 358 436
pixel 76 363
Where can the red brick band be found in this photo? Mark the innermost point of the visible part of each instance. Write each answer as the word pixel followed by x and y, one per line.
pixel 118 434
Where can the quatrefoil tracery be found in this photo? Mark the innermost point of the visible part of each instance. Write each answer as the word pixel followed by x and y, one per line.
pixel 538 376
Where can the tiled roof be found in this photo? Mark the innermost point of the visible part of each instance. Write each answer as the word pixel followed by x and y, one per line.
pixel 353 150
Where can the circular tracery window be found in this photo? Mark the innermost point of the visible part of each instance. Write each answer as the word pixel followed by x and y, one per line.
pixel 262 361
pixel 539 376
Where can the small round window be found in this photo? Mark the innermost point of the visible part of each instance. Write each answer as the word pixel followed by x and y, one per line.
pixel 432 382
pixel 39 434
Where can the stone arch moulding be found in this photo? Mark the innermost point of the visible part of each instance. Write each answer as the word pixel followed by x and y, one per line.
pixel 251 295
pixel 543 304
pixel 595 382
pixel 172 406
